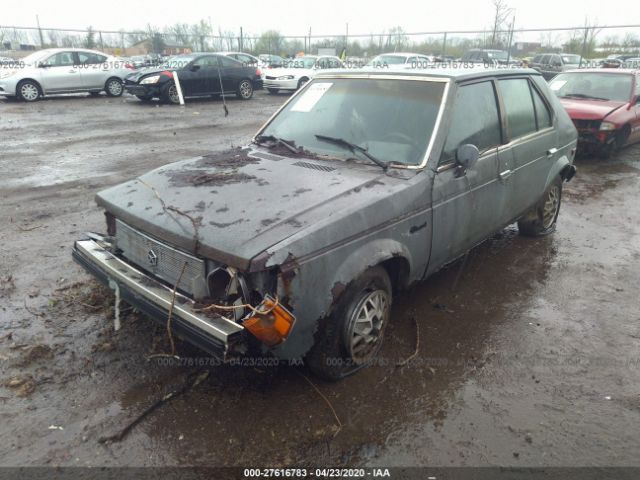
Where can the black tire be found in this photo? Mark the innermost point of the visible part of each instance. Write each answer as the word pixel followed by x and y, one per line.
pixel 144 98
pixel 245 89
pixel 273 91
pixel 541 219
pixel 28 91
pixel 302 82
pixel 114 87
pixel 170 93
pixel 332 356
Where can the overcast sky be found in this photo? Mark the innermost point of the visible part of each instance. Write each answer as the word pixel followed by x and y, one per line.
pixel 323 16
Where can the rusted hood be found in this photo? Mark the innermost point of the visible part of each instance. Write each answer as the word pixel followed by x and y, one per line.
pixel 234 205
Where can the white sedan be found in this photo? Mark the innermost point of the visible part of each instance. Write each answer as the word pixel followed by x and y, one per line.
pixel 296 72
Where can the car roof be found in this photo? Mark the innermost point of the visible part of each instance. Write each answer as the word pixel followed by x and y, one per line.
pixel 616 71
pixel 403 54
pixel 456 74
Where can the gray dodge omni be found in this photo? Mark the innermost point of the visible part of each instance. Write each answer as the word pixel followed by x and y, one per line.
pixel 363 183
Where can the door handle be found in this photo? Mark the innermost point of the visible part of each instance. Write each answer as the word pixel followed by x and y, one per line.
pixel 551 152
pixel 505 175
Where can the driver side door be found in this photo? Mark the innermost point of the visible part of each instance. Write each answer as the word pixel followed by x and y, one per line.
pixel 466 203
pixel 61 72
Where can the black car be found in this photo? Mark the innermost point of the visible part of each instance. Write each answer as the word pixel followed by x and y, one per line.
pixel 199 74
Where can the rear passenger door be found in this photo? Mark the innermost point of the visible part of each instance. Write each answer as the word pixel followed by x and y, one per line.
pixel 465 203
pixel 95 70
pixel 531 148
pixel 232 72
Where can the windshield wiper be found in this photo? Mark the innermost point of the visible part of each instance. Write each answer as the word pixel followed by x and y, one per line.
pixel 354 148
pixel 582 95
pixel 277 141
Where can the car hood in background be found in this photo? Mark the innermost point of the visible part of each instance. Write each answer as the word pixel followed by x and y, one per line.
pixel 234 205
pixel 590 109
pixel 296 72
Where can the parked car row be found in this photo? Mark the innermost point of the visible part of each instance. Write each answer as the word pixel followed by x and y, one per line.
pixel 57 71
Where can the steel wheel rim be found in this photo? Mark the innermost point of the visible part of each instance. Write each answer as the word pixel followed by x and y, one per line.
pixel 550 208
pixel 29 92
pixel 365 327
pixel 173 94
pixel 115 87
pixel 245 89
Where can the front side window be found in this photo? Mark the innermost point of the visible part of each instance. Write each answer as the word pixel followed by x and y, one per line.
pixel 62 59
pixel 518 104
pixel 475 120
pixel 393 119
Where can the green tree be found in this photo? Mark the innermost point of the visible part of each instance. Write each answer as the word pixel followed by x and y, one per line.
pixel 90 41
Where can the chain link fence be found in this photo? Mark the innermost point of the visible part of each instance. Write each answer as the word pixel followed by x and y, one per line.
pixel 590 41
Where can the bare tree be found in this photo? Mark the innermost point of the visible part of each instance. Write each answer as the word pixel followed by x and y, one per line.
pixel 501 12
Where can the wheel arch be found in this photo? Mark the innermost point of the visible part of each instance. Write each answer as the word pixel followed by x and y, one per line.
pixel 390 254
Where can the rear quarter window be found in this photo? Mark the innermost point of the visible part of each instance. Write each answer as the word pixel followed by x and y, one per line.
pixel 518 104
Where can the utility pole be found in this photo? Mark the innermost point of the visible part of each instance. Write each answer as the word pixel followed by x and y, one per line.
pixel 241 41
pixel 310 40
pixel 513 23
pixel 40 32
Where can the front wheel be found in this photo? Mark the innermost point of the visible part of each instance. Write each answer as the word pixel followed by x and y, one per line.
pixel 245 90
pixel 170 93
pixel 114 87
pixel 351 337
pixel 541 219
pixel 29 91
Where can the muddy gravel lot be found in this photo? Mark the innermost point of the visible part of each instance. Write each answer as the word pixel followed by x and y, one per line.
pixel 529 351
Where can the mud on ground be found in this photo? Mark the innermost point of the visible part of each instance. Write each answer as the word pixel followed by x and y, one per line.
pixel 529 351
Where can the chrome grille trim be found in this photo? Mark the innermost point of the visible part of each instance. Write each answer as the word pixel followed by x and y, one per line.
pixel 135 246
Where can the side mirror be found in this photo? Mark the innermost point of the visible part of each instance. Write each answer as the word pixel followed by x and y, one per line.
pixel 467 155
pixel 194 68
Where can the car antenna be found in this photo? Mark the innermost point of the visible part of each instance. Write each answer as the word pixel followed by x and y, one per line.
pixel 224 101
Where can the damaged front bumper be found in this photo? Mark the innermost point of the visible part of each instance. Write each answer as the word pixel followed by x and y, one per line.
pixel 213 333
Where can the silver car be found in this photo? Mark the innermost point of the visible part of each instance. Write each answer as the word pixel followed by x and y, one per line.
pixel 63 70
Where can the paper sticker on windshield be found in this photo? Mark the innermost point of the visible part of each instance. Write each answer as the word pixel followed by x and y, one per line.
pixel 557 85
pixel 310 97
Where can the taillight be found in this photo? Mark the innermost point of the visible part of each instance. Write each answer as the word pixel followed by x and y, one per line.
pixel 130 66
pixel 258 72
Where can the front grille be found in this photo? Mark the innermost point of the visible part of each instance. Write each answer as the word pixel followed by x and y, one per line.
pixel 159 259
pixel 587 124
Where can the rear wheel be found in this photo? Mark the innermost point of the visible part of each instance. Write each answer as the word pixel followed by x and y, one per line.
pixel 542 218
pixel 29 91
pixel 302 82
pixel 245 90
pixel 351 337
pixel 114 87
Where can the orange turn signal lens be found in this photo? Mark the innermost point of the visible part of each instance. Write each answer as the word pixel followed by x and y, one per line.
pixel 273 327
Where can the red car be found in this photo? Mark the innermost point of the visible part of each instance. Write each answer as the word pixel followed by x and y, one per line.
pixel 604 106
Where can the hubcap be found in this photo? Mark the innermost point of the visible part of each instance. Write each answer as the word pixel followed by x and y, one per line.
pixel 245 89
pixel 364 329
pixel 551 206
pixel 115 87
pixel 29 92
